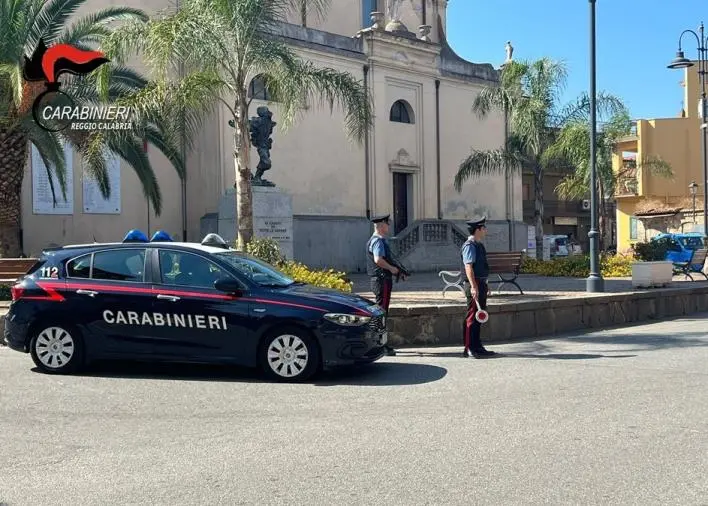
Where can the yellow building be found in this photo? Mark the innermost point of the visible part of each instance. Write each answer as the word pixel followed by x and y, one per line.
pixel 647 203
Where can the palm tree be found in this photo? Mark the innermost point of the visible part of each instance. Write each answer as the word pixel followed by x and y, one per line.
pixel 316 7
pixel 573 144
pixel 220 45
pixel 530 93
pixel 25 24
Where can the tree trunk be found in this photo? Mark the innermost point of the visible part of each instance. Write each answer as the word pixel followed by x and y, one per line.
pixel 13 158
pixel 538 214
pixel 244 196
pixel 303 12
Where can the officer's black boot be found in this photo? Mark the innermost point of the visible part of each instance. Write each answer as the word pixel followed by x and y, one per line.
pixel 390 351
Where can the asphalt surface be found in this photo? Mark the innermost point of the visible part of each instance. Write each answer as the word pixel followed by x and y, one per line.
pixel 616 417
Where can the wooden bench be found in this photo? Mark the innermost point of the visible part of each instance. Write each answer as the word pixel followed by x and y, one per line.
pixel 13 268
pixel 500 264
pixel 694 265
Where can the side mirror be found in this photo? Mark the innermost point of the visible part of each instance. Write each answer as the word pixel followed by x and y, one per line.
pixel 230 286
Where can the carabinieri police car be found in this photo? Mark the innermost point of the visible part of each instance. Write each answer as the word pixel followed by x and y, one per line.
pixel 166 301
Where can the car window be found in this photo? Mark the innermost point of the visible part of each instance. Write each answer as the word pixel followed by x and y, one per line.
pixel 256 270
pixel 79 267
pixel 187 269
pixel 119 265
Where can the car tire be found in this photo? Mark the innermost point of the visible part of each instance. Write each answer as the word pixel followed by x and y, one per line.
pixel 57 349
pixel 289 354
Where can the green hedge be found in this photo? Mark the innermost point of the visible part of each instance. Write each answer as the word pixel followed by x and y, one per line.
pixel 578 266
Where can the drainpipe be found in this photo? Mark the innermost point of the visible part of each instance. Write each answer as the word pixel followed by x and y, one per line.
pixel 437 143
pixel 183 154
pixel 366 148
pixel 507 200
pixel 425 11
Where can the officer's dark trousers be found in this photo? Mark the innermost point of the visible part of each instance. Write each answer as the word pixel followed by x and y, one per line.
pixel 381 286
pixel 472 328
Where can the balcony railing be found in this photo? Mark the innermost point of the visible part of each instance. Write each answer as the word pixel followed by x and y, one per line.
pixel 627 186
pixel 557 208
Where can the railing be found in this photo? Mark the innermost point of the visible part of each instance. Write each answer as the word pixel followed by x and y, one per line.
pixel 556 208
pixel 433 231
pixel 627 186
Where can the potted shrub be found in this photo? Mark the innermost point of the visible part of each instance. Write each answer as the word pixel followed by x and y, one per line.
pixel 651 267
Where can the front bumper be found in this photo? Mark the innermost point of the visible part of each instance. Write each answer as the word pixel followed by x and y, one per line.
pixel 352 345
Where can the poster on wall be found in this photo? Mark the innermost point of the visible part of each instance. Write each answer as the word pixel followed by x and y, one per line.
pixel 531 243
pixel 94 203
pixel 42 200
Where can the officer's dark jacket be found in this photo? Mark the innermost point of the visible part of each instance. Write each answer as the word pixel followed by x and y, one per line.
pixel 371 268
pixel 480 267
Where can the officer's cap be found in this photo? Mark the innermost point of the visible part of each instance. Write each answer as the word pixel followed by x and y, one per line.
pixel 380 219
pixel 474 225
pixel 214 240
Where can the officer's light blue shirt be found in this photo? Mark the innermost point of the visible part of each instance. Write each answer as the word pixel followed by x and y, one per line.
pixel 469 253
pixel 377 247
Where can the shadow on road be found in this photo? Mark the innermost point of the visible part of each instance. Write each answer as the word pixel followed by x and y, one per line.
pixel 547 356
pixel 382 374
pixel 377 374
pixel 168 371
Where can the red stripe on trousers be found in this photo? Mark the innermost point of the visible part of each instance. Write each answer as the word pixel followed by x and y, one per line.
pixel 468 327
pixel 387 286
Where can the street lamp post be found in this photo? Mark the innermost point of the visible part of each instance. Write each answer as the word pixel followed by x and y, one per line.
pixel 693 188
pixel 681 62
pixel 594 282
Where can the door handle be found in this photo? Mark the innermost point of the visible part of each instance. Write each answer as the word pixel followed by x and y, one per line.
pixel 90 293
pixel 171 298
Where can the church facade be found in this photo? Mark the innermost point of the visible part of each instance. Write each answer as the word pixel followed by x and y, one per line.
pixel 424 127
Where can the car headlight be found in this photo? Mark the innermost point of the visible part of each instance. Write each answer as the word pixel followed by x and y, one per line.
pixel 349 320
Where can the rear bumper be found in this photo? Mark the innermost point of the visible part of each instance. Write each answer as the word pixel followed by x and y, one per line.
pixel 15 334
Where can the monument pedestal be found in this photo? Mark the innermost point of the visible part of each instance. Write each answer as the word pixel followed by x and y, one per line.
pixel 272 217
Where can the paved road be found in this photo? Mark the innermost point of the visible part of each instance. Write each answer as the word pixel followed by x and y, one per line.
pixel 616 417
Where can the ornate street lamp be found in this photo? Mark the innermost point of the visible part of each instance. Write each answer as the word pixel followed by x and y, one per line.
pixel 693 188
pixel 681 62
pixel 594 282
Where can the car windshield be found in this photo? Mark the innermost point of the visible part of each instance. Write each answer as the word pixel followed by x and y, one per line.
pixel 691 242
pixel 256 270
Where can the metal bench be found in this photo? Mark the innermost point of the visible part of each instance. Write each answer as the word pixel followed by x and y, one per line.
pixel 694 265
pixel 13 268
pixel 499 264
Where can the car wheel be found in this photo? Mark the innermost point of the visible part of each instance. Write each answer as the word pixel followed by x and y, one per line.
pixel 289 354
pixel 57 349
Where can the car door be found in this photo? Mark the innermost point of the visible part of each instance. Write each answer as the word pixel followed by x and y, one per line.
pixel 198 320
pixel 112 294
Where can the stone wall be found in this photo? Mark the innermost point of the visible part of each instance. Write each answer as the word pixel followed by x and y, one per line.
pixel 442 325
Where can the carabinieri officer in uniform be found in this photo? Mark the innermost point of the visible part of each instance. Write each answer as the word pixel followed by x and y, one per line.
pixel 476 269
pixel 379 266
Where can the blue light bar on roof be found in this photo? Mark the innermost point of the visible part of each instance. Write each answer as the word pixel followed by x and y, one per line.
pixel 135 235
pixel 161 236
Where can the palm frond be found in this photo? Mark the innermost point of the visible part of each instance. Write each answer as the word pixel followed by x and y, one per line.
pixel 51 149
pixel 131 150
pixel 94 26
pixel 608 106
pixel 572 187
pixel 482 163
pixel 656 166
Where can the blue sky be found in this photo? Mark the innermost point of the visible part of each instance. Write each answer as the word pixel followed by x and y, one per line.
pixel 636 39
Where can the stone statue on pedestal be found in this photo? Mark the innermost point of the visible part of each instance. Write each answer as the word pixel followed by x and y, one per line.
pixel 509 52
pixel 261 128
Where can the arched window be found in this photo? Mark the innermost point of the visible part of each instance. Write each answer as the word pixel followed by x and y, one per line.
pixel 401 112
pixel 258 89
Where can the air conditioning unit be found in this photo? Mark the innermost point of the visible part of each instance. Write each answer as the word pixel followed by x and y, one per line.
pixel 586 205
